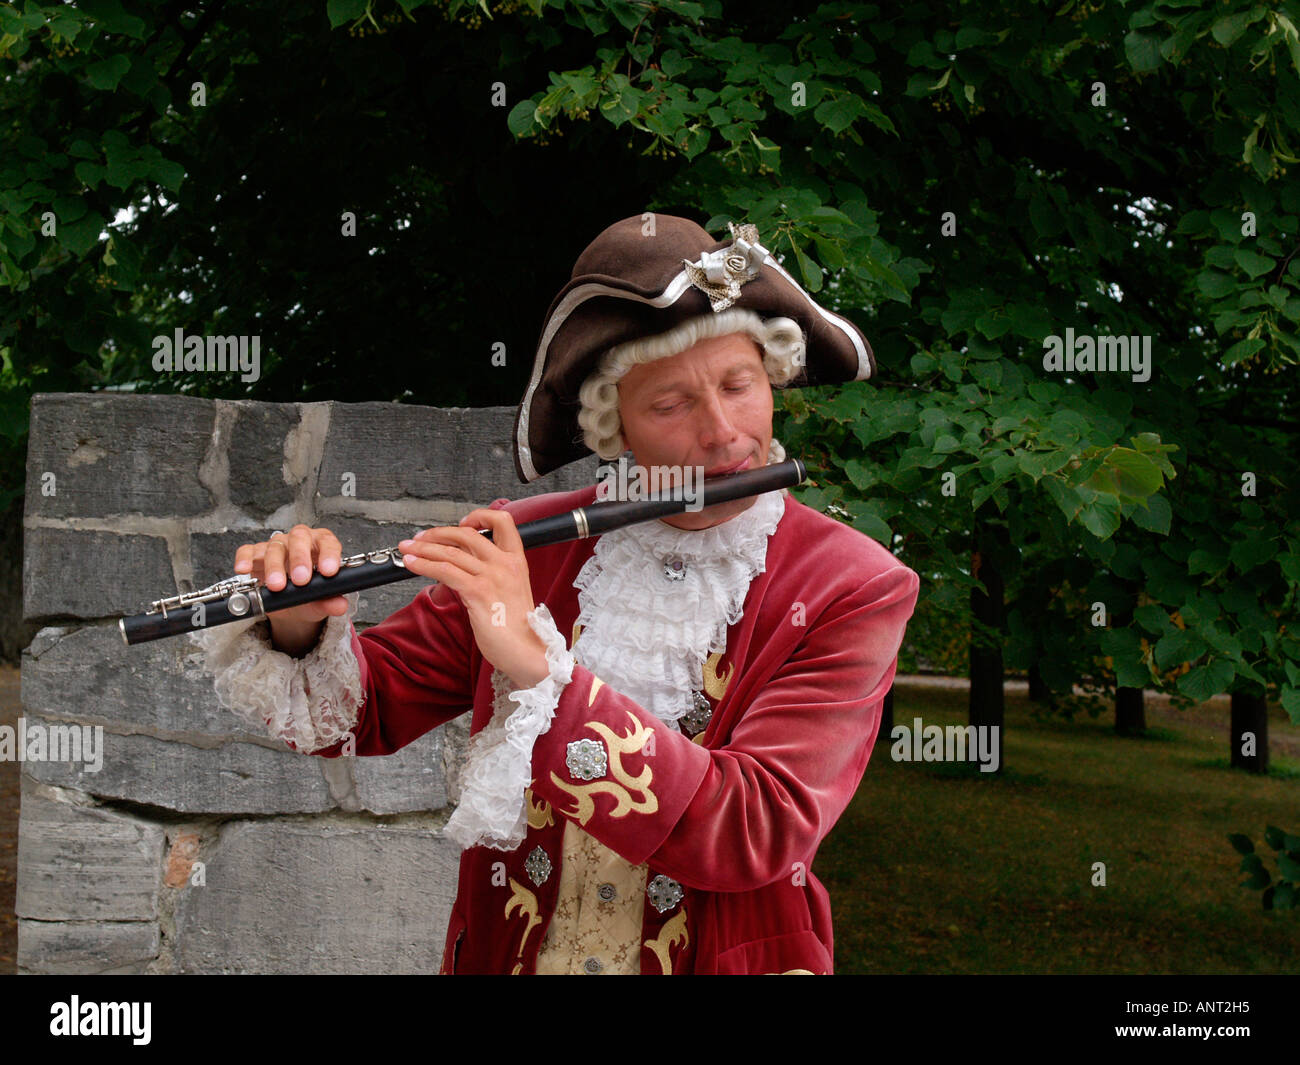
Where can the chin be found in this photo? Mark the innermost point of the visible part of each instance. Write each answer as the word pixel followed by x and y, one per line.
pixel 710 516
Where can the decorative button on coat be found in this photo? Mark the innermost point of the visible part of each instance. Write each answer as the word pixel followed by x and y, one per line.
pixel 697 718
pixel 664 893
pixel 538 866
pixel 607 892
pixel 592 966
pixel 586 759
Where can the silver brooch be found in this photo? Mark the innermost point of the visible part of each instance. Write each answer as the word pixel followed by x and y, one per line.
pixel 696 719
pixel 664 893
pixel 586 759
pixel 675 569
pixel 538 866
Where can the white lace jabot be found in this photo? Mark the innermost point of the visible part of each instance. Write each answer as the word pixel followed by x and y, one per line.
pixel 648 636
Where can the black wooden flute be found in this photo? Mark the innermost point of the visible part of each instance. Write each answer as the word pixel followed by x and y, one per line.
pixel 244 596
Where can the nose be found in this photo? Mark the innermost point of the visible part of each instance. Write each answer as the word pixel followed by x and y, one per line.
pixel 715 425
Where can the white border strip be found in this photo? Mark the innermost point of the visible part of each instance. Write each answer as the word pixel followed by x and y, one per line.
pixel 842 324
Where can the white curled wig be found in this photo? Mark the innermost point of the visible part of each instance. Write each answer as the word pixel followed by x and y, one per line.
pixel 781 341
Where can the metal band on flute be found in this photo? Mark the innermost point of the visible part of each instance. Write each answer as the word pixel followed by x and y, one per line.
pixel 241 597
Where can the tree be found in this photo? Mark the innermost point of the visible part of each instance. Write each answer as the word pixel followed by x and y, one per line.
pixel 976 188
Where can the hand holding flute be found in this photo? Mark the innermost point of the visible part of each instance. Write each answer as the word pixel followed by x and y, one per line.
pixel 489 576
pixel 295 555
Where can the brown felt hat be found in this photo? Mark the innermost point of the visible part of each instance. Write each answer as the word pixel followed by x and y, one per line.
pixel 642 277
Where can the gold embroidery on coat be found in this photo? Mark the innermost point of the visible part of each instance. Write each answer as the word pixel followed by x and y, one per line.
pixel 716 686
pixel 596 685
pixel 525 902
pixel 539 810
pixel 631 743
pixel 668 936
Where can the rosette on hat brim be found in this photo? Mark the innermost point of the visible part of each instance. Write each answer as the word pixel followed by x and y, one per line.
pixel 628 285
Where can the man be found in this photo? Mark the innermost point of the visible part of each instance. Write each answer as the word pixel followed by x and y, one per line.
pixel 648 794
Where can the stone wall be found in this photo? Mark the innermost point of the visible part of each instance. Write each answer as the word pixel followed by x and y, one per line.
pixel 199 846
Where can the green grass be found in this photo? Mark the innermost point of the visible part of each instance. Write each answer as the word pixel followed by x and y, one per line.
pixel 933 869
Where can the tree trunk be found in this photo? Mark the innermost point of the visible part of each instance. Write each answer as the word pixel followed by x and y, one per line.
pixel 1039 692
pixel 1130 712
pixel 886 716
pixel 987 704
pixel 1249 738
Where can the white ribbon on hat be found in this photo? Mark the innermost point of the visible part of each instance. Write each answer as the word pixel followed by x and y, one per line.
pixel 719 274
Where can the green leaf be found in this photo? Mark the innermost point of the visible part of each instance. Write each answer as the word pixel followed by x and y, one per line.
pixel 922 54
pixel 1030 321
pixel 1143 51
pixel 521 118
pixel 1254 264
pixel 1289 697
pixel 80 236
pixel 126 261
pixel 1201 560
pixel 1250 552
pixel 341 11
pixel 1153 618
pixel 620 107
pixel 839 113
pixel 812 273
pixel 1214 284
pixel 867 520
pixel 1128 475
pixel 1177 647
pixel 69 208
pixel 1229 28
pixel 969 36
pixel 142 76
pixel 626 13
pixel 1202 682
pixel 1242 350
pixel 1131 673
pixel 860 474
pixel 1065 496
pixel 1156 518
pixel 1101 517
pixel 672 63
pixel 1241 843
pixel 105 74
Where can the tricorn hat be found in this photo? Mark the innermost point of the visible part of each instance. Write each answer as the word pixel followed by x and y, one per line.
pixel 641 277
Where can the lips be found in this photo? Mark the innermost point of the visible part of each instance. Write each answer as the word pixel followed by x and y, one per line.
pixel 722 471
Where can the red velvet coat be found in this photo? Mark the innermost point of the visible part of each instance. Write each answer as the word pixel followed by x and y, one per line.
pixel 736 815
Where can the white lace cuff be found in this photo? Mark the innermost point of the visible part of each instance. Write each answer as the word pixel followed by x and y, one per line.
pixel 498 767
pixel 310 702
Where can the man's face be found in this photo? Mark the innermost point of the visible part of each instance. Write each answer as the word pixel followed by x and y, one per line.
pixel 709 406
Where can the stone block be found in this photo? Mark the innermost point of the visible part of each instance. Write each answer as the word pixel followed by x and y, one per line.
pixel 319 898
pixel 76 948
pixel 89 574
pixel 86 863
